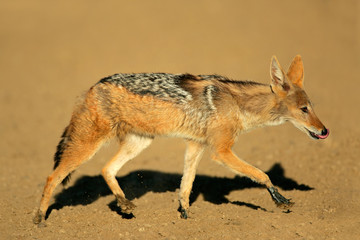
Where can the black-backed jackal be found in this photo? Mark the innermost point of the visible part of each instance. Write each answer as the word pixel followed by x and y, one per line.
pixel 205 110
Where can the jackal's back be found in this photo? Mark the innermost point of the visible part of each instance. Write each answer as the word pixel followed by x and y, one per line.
pixel 166 86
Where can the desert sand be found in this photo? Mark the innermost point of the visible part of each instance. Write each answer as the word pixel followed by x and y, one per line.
pixel 52 52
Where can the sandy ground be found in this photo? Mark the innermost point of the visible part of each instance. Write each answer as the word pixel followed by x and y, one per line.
pixel 51 52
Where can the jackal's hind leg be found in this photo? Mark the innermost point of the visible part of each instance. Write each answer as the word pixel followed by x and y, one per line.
pixel 193 155
pixel 72 157
pixel 130 147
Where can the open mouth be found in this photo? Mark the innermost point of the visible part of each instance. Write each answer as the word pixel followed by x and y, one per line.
pixel 316 136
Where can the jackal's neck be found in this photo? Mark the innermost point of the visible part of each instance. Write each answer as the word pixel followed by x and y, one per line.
pixel 258 106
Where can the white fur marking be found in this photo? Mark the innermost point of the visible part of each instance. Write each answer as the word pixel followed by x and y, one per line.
pixel 132 146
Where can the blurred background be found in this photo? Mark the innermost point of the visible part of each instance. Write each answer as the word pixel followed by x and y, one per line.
pixel 53 50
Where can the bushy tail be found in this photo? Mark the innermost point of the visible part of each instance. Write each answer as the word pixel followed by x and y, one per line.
pixel 59 153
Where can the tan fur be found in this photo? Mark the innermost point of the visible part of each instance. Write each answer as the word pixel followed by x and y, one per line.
pixel 194 152
pixel 296 71
pixel 206 110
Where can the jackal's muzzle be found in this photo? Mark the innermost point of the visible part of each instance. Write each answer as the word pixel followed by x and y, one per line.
pixel 324 134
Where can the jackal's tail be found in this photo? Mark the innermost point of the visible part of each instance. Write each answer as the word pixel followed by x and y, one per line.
pixel 59 153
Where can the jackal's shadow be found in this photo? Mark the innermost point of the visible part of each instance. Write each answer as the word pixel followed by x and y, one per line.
pixel 214 189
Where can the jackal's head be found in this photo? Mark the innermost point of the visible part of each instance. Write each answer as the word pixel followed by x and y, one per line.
pixel 294 103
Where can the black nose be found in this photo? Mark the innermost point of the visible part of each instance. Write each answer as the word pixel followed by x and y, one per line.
pixel 324 131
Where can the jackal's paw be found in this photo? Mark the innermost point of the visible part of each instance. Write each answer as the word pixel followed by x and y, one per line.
pixel 125 205
pixel 38 217
pixel 279 199
pixel 183 212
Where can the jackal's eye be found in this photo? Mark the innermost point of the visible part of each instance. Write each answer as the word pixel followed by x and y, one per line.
pixel 304 109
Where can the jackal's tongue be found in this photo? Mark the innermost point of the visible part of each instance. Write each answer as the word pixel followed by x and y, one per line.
pixel 324 136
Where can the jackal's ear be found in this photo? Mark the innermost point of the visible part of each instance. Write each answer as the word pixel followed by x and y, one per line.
pixel 279 82
pixel 296 71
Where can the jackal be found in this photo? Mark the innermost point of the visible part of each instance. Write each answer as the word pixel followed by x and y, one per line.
pixel 205 110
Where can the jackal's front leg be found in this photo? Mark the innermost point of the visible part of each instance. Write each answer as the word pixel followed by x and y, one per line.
pixel 228 158
pixel 194 152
